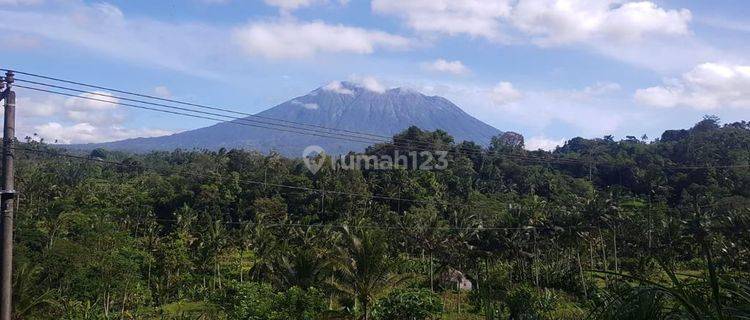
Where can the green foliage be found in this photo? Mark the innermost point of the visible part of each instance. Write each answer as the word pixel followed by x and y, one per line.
pixel 524 302
pixel 258 301
pixel 364 271
pixel 408 304
pixel 176 235
pixel 682 296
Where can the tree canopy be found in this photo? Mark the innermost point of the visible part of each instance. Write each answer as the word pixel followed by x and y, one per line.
pixel 599 228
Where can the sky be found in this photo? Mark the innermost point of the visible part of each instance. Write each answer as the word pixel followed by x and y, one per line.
pixel 548 69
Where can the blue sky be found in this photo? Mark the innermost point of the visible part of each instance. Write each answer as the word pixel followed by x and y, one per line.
pixel 549 69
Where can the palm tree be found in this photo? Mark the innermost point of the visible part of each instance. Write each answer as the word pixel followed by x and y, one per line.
pixel 364 268
pixel 306 262
pixel 428 230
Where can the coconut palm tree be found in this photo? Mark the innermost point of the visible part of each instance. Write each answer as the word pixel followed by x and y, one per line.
pixel 304 264
pixel 363 268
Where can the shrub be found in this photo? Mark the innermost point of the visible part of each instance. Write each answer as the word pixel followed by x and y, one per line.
pixel 250 300
pixel 258 301
pixel 299 304
pixel 408 304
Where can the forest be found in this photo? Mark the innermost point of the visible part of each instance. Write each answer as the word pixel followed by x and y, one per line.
pixel 604 228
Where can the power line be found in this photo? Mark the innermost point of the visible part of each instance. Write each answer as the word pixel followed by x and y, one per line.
pixel 193 104
pixel 188 103
pixel 244 119
pixel 185 114
pixel 378 227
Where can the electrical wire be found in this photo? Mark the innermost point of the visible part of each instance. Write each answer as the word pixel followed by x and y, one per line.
pixel 231 118
pixel 186 103
pixel 185 114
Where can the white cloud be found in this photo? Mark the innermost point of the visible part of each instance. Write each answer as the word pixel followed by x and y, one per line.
pixel 57 133
pixel 367 83
pixel 372 84
pixel 477 18
pixel 94 117
pixel 504 93
pixel 537 111
pixel 442 65
pixel 337 87
pixel 555 22
pixel 547 22
pixel 637 32
pixel 162 92
pixel 310 106
pixel 306 105
pixel 707 86
pixel 543 143
pixel 292 39
pixel 86 133
pixel 99 111
pixel 658 97
pixel 635 20
pixel 98 100
pixel 285 6
pixel 73 120
pixel 29 108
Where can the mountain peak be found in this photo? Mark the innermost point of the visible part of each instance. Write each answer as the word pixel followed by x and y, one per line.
pixel 356 106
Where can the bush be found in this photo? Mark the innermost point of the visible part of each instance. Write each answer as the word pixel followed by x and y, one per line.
pixel 299 304
pixel 408 304
pixel 248 300
pixel 527 302
pixel 258 301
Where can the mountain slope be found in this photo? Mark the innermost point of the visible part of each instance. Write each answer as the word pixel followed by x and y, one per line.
pixel 338 105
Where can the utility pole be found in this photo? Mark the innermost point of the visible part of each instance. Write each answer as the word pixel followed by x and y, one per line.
pixel 7 196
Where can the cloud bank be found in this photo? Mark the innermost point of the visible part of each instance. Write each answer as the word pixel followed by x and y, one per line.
pixel 707 86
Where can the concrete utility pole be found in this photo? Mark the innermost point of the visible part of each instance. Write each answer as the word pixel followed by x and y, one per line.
pixel 7 196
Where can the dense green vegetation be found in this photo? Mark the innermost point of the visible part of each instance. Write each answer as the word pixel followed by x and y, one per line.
pixel 599 228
